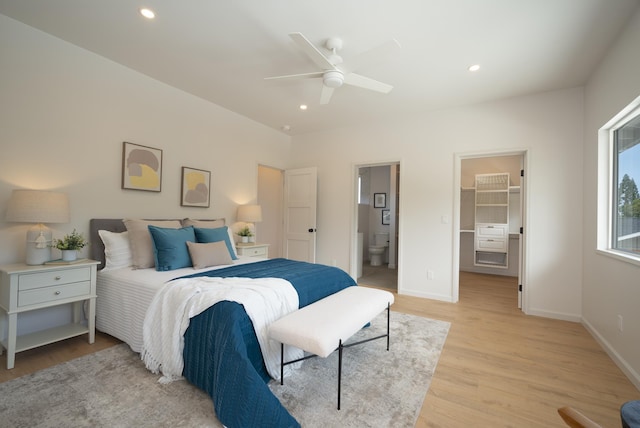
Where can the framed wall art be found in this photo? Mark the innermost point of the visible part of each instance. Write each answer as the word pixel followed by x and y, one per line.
pixel 379 200
pixel 141 167
pixel 196 187
pixel 386 217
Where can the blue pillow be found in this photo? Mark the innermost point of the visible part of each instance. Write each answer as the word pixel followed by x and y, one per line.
pixel 170 247
pixel 205 235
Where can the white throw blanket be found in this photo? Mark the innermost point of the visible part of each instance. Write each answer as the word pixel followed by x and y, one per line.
pixel 264 299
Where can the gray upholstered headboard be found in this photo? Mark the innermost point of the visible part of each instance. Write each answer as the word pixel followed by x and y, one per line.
pixel 97 246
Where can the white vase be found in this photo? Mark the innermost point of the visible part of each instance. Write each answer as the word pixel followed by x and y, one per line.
pixel 69 255
pixel 245 239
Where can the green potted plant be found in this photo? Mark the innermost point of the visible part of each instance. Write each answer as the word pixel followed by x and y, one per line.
pixel 70 244
pixel 245 233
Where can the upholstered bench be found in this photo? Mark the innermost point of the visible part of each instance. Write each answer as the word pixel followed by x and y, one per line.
pixel 325 325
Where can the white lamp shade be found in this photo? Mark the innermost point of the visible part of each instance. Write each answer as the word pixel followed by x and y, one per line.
pixel 250 213
pixel 38 206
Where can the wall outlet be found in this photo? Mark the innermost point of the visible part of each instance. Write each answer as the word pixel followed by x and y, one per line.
pixel 429 274
pixel 620 324
pixel 333 262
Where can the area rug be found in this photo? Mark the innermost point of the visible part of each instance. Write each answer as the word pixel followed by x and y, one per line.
pixel 112 388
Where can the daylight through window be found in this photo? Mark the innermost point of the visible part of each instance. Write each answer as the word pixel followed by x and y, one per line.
pixel 626 202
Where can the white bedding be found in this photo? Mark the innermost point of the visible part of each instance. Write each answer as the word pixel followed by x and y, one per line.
pixel 264 299
pixel 125 294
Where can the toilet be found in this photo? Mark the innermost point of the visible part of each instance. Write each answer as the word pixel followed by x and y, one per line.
pixel 376 251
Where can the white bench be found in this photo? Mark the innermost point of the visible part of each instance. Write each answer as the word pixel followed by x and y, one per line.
pixel 324 326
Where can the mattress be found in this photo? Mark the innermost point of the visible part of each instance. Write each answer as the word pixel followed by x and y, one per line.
pixel 125 294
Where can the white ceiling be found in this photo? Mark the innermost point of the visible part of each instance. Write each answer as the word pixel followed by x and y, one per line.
pixel 222 50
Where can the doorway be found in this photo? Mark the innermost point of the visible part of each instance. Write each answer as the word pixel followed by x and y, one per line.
pixel 377 202
pixel 506 257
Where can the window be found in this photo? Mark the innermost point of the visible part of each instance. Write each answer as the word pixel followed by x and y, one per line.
pixel 619 185
pixel 626 178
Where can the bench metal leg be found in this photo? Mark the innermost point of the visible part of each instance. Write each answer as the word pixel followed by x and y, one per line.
pixel 341 347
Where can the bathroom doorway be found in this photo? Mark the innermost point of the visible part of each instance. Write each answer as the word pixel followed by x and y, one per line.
pixel 377 202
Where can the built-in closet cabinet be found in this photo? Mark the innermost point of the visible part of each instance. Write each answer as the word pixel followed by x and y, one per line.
pixel 491 241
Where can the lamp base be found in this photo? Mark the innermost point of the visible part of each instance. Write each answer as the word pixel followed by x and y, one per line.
pixel 39 240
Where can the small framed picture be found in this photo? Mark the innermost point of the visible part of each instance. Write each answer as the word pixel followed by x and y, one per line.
pixel 196 187
pixel 386 217
pixel 379 200
pixel 141 167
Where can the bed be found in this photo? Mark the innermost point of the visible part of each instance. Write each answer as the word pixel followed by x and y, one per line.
pixel 222 354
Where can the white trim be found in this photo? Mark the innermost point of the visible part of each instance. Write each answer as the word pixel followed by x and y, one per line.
pixel 626 368
pixel 604 221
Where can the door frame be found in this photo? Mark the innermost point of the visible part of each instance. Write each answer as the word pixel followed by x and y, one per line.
pixel 353 251
pixel 524 201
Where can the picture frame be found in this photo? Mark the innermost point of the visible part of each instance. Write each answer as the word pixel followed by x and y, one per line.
pixel 195 188
pixel 379 200
pixel 386 216
pixel 141 167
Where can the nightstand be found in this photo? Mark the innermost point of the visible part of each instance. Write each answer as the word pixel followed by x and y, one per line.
pixel 253 249
pixel 26 288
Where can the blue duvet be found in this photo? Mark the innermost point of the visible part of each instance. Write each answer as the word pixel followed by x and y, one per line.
pixel 221 351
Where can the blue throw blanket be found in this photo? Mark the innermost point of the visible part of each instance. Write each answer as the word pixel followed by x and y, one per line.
pixel 221 351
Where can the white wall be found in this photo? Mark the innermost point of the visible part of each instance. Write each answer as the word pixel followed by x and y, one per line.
pixel 549 125
pixel 65 113
pixel 610 287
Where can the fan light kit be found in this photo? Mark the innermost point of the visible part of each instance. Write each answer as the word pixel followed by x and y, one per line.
pixel 334 73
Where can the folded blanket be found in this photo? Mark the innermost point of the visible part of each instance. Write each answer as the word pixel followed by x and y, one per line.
pixel 264 299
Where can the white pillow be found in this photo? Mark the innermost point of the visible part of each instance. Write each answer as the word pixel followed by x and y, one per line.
pixel 117 250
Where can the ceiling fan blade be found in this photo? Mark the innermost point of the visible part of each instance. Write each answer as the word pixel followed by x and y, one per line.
pixel 325 96
pixel 311 51
pixel 366 83
pixel 296 76
pixel 381 53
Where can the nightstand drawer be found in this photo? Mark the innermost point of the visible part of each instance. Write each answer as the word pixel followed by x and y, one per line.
pixel 258 251
pixel 53 293
pixel 28 281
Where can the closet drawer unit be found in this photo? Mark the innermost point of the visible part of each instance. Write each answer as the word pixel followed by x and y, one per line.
pixel 489 244
pixel 52 293
pixel 28 281
pixel 499 231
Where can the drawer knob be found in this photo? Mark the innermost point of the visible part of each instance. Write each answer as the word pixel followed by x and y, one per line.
pixel 57 292
pixel 58 278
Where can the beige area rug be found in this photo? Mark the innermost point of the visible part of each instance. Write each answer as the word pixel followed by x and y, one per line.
pixel 111 388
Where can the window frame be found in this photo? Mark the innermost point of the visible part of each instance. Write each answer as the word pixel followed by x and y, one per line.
pixel 608 185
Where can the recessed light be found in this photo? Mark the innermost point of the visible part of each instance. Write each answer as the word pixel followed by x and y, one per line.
pixel 147 13
pixel 303 106
pixel 474 67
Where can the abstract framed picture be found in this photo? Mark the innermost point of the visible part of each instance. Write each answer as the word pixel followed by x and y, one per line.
pixel 379 200
pixel 196 187
pixel 141 167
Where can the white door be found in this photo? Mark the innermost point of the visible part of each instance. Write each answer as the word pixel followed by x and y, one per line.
pixel 300 193
pixel 521 246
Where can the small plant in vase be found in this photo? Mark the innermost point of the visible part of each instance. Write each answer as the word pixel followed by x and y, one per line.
pixel 70 244
pixel 245 233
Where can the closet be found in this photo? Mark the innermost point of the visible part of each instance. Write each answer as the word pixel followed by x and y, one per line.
pixel 491 242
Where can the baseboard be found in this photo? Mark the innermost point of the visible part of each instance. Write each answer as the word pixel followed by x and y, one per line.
pixel 554 315
pixel 633 376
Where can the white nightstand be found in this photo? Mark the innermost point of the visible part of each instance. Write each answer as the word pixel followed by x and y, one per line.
pixel 253 249
pixel 25 288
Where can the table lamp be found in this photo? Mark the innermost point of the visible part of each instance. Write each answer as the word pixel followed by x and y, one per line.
pixel 250 214
pixel 38 206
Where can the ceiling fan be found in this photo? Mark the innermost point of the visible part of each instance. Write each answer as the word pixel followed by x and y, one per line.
pixel 334 73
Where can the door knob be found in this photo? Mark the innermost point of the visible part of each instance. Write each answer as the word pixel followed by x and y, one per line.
pixel 311 230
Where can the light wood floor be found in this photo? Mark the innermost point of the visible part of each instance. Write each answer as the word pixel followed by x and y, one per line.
pixel 498 368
